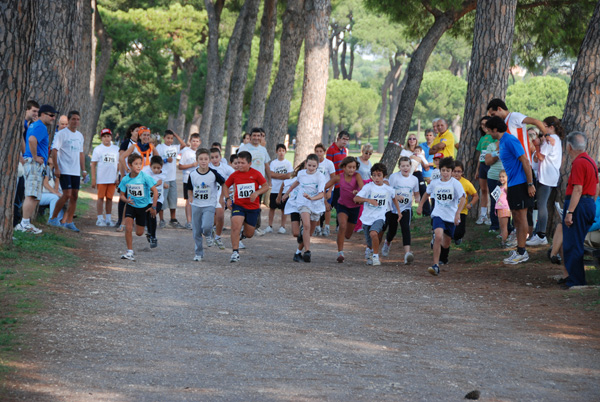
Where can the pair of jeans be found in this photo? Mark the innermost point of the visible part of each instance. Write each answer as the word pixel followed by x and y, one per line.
pixel 542 194
pixel 492 184
pixel 50 199
pixel 203 219
pixel 573 238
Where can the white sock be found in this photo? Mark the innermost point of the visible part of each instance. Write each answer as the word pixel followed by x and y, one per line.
pixel 108 217
pixel 375 255
pixel 24 222
pixel 483 211
pixel 298 251
pixel 340 253
pixel 217 237
pixel 130 251
pixel 100 217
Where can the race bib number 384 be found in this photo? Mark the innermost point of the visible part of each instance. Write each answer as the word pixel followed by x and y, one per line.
pixel 245 190
pixel 135 190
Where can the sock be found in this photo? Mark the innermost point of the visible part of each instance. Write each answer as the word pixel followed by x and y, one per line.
pixel 298 251
pixel 100 217
pixel 130 251
pixel 483 211
pixel 24 222
pixel 108 217
pixel 375 255
pixel 521 250
pixel 541 235
pixel 444 255
pixel 340 253
pixel 217 237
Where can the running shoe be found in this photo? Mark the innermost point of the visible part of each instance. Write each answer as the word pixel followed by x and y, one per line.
pixel 100 222
pixel 434 270
pixel 235 257
pixel 537 241
pixel 487 221
pixel 162 224
pixel 306 256
pixel 188 226
pixel 55 222
pixel 340 257
pixel 516 258
pixel 209 241
pixel 408 258
pixel 297 257
pixel 153 242
pixel 71 226
pixel 317 231
pixel 259 232
pixel 219 243
pixel 120 228
pixel 326 231
pixel 241 245
pixel 385 250
pixel 481 220
pixel 198 258
pixel 375 260
pixel 268 229
pixel 176 225
pixel 281 230
pixel 109 223
pixel 29 228
pixel 128 256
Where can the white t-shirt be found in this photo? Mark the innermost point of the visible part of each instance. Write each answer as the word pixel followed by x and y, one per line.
pixel 161 176
pixel 280 167
pixel 327 168
pixel 516 127
pixel 205 187
pixel 260 156
pixel 549 168
pixel 187 156
pixel 225 171
pixel 108 162
pixel 406 187
pixel 169 151
pixel 310 184
pixel 69 145
pixel 435 174
pixel 383 194
pixel 364 170
pixel 290 205
pixel 415 166
pixel 447 195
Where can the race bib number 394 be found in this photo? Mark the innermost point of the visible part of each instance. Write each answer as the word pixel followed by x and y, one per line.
pixel 245 190
pixel 135 190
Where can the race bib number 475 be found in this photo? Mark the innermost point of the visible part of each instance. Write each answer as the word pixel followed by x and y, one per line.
pixel 135 190
pixel 245 190
pixel 109 158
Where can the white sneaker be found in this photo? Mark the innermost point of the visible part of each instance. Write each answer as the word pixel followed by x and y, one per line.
pixel 198 258
pixel 375 260
pixel 281 230
pixel 128 256
pixel 317 231
pixel 235 257
pixel 487 221
pixel 109 223
pixel 408 258
pixel 259 232
pixel 511 243
pixel 28 228
pixel 100 222
pixel 241 245
pixel 516 258
pixel 537 241
pixel 385 250
pixel 481 220
pixel 209 242
pixel 326 231
pixel 268 229
pixel 219 243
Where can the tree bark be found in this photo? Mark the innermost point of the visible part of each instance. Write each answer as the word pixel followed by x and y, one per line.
pixel 391 76
pixel 277 112
pixel 334 46
pixel 240 75
pixel 316 74
pixel 213 11
pixel 262 80
pixel 194 125
pixel 343 61
pixel 414 76
pixel 351 68
pixel 189 67
pixel 488 75
pixel 395 95
pixel 17 45
pixel 217 125
pixel 86 63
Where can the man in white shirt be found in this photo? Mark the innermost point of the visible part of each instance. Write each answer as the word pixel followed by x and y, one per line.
pixel 69 165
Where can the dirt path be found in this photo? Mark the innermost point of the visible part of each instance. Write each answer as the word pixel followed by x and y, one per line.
pixel 165 328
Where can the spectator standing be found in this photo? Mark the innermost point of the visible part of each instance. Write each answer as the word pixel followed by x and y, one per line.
pixel 444 141
pixel 492 159
pixel 482 171
pixel 579 208
pixel 31 115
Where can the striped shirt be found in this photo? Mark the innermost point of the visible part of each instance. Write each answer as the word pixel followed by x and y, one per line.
pixel 516 127
pixel 336 155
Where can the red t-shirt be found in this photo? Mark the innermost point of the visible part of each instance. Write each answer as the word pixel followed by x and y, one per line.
pixel 245 183
pixel 584 172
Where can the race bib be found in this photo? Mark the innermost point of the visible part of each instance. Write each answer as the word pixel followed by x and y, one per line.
pixel 281 170
pixel 245 190
pixel 135 190
pixel 381 200
pixel 436 174
pixel 497 193
pixel 109 158
pixel 171 153
pixel 405 200
pixel 444 196
pixel 201 193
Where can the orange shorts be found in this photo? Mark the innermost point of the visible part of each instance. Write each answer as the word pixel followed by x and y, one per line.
pixel 106 190
pixel 503 213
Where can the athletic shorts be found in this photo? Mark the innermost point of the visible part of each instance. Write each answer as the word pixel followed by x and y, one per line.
pixel 137 214
pixel 185 191
pixel 106 191
pixel 377 226
pixel 518 197
pixel 250 215
pixel 34 178
pixel 170 195
pixel 295 216
pixel 483 170
pixel 273 202
pixel 352 213
pixel 437 222
pixel 313 215
pixel 69 182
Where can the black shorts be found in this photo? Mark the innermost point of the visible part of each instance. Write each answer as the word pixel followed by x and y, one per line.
pixel 185 191
pixel 518 197
pixel 273 202
pixel 137 214
pixel 352 213
pixel 295 216
pixel 250 215
pixel 68 182
pixel 483 170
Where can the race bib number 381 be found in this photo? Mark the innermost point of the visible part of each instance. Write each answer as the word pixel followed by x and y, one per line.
pixel 245 190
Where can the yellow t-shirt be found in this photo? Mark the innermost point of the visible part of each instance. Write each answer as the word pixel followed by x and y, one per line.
pixel 447 138
pixel 469 191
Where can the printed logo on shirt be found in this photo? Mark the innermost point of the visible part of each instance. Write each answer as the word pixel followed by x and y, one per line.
pixel 444 195
pixel 245 190
pixel 202 192
pixel 171 153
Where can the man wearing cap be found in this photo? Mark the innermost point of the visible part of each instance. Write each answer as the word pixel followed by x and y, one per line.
pixel 69 164
pixel 36 158
pixel 444 141
pixel 579 208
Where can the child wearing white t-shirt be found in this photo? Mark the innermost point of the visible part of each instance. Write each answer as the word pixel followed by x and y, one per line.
pixel 155 171
pixel 188 163
pixel 327 169
pixel 216 163
pixel 281 169
pixel 378 199
pixel 449 197
pixel 105 162
pixel 169 151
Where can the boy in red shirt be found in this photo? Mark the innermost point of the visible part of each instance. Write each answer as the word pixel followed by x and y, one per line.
pixel 248 184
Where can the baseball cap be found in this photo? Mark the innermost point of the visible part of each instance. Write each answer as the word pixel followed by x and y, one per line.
pixel 438 155
pixel 47 109
pixel 105 131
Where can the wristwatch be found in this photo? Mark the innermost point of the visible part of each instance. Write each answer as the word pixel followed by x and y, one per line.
pixel 530 184
pixel 153 207
pixel 569 212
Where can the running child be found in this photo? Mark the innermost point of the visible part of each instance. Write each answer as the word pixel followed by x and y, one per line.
pixel 188 163
pixel 351 183
pixel 281 169
pixel 457 173
pixel 327 169
pixel 248 184
pixel 309 201
pixel 204 188
pixel 377 198
pixel 502 208
pixel 449 201
pixel 168 151
pixel 143 147
pixel 217 164
pixel 105 163
pixel 218 145
pixel 155 171
pixel 135 192
pixel 291 208
pixel 406 188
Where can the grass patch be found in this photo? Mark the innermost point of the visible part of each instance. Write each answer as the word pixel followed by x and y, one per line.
pixel 28 263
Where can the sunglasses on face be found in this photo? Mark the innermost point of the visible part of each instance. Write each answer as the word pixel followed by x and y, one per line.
pixel 368 153
pixel 50 114
pixel 412 139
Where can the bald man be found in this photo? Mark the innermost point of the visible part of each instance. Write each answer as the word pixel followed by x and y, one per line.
pixel 62 123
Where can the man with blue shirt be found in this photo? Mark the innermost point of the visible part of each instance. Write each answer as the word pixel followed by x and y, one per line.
pixel 429 137
pixel 36 158
pixel 521 189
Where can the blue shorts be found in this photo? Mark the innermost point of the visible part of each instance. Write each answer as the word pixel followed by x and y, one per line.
pixel 250 215
pixel 351 212
pixel 68 182
pixel 437 222
pixel 483 170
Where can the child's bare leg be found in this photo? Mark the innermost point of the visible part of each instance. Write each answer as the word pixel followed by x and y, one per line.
pixel 128 233
pixel 188 211
pixel 503 228
pixel 271 216
pixel 219 220
pixel 437 245
pixel 283 219
pixel 308 228
pixel 374 241
pixel 108 207
pixel 342 231
pixel 236 227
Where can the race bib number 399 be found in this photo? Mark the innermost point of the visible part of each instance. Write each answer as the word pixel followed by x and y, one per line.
pixel 245 190
pixel 135 190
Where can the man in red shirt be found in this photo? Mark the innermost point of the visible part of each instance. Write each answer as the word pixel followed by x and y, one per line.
pixel 248 184
pixel 579 209
pixel 336 153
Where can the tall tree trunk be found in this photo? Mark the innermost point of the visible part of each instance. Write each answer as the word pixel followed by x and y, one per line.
pixel 277 112
pixel 238 81
pixel 488 75
pixel 86 60
pixel 189 67
pixel 395 95
pixel 334 46
pixel 414 76
pixel 262 80
pixel 351 67
pixel 343 61
pixel 17 45
pixel 391 76
pixel 213 11
pixel 217 125
pixel 194 125
pixel 316 73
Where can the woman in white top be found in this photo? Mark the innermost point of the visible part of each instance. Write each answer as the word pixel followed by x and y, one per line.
pixel 364 170
pixel 548 153
pixel 418 161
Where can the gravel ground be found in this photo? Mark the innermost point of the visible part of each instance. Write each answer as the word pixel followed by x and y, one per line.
pixel 165 328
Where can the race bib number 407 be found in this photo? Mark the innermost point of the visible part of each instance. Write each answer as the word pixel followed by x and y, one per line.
pixel 245 190
pixel 135 190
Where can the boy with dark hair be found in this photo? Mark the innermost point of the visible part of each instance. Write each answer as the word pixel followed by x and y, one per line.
pixel 105 163
pixel 154 170
pixel 136 188
pixel 281 169
pixel 168 151
pixel 457 173
pixel 377 198
pixel 216 163
pixel 248 184
pixel 188 163
pixel 449 199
